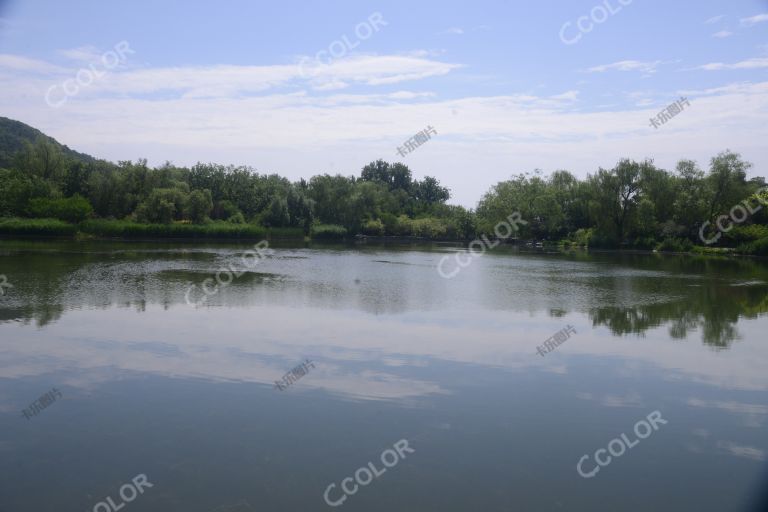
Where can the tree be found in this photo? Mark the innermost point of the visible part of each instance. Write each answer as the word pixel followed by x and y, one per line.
pixel 430 192
pixel 277 214
pixel 726 182
pixel 200 206
pixel 162 206
pixel 42 159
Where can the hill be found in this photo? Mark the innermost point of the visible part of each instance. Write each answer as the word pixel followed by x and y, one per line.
pixel 13 135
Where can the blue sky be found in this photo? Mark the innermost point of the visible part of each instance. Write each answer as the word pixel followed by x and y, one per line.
pixel 502 87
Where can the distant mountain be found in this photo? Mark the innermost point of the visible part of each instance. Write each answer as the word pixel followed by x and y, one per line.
pixel 13 134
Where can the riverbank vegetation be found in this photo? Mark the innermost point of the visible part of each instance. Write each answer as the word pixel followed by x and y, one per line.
pixel 47 190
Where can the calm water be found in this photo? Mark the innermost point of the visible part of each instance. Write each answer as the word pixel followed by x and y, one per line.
pixel 185 394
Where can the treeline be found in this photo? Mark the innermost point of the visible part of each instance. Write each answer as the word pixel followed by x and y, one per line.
pixel 633 205
pixel 637 205
pixel 384 200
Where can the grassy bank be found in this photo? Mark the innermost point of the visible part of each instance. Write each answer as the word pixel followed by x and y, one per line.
pixel 100 228
pixel 36 227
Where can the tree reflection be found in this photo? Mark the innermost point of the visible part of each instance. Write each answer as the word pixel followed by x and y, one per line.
pixel 715 310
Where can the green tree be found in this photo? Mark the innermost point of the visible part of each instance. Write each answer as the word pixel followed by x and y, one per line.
pixel 200 206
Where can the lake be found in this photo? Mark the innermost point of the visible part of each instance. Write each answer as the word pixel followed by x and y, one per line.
pixel 528 381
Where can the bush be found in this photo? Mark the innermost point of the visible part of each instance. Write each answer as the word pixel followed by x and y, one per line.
pixel 604 241
pixel 756 248
pixel 646 243
pixel 675 245
pixel 403 226
pixel 71 209
pixel 328 231
pixel 237 218
pixel 582 237
pixel 373 228
pixel 428 228
pixel 744 234
pixel 390 223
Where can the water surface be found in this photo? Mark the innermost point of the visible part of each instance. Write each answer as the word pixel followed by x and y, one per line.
pixel 185 393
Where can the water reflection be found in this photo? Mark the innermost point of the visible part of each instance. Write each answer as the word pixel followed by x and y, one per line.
pixel 186 394
pixel 642 291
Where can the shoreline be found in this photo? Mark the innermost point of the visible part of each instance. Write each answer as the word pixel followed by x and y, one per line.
pixel 523 245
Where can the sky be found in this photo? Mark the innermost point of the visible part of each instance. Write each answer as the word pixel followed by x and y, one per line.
pixel 305 88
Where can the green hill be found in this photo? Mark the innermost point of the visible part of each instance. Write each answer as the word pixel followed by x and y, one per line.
pixel 13 135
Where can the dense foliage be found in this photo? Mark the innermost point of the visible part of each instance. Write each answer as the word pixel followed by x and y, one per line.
pixel 634 204
pixel 42 181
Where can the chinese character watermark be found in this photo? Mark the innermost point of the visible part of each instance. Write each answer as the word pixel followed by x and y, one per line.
pixel 556 340
pixel 416 141
pixel 294 375
pixel 668 113
pixel 41 403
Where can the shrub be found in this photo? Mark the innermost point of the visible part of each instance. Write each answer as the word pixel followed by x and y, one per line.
pixel 428 228
pixel 582 237
pixel 744 234
pixel 237 218
pixel 645 243
pixel 403 226
pixel 756 248
pixel 675 245
pixel 328 231
pixel 390 223
pixel 373 228
pixel 603 241
pixel 71 209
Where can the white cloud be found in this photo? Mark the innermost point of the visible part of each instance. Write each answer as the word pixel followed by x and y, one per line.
pixel 753 20
pixel 568 95
pixel 714 19
pixel 722 34
pixel 232 81
pixel 627 65
pixel 19 63
pixel 632 399
pixel 736 88
pixel 754 63
pixel 747 452
pixel 259 115
pixel 83 54
pixel 457 31
pixel 754 415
